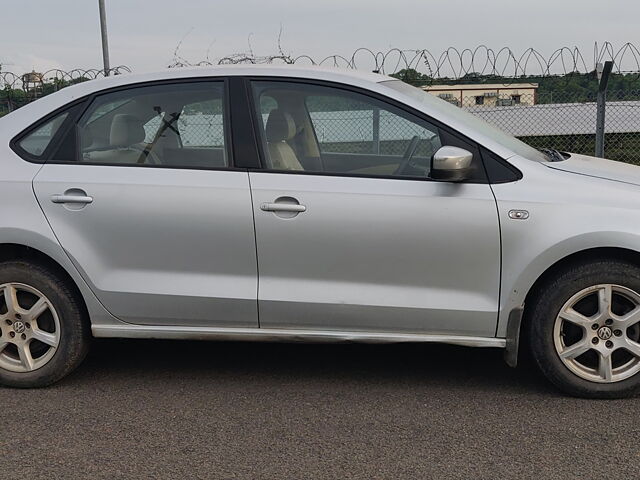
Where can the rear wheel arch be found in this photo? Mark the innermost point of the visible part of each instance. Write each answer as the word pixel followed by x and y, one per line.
pixel 19 252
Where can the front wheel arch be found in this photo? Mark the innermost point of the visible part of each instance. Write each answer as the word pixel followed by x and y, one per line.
pixel 588 255
pixel 583 256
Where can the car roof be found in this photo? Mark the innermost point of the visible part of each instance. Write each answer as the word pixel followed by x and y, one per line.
pixel 281 70
pixel 350 76
pixel 30 112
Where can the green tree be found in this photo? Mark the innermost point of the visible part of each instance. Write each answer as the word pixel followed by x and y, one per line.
pixel 412 77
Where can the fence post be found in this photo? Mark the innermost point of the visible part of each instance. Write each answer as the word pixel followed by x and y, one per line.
pixel 376 130
pixel 601 106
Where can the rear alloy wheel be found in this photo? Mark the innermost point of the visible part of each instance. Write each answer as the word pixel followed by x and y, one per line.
pixel 584 329
pixel 29 328
pixel 44 329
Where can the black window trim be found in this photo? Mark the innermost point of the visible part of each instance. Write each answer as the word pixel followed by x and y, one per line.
pixel 245 136
pixel 86 102
pixel 381 98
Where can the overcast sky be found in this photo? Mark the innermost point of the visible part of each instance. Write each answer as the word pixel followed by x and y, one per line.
pixel 143 34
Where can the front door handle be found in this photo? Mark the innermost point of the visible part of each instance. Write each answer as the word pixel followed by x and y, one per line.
pixel 283 207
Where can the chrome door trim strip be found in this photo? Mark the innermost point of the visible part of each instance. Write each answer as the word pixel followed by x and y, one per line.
pixel 277 334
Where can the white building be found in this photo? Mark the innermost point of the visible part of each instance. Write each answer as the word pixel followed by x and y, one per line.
pixel 493 95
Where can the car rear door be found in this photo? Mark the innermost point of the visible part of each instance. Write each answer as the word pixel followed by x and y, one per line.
pixel 353 237
pixel 151 209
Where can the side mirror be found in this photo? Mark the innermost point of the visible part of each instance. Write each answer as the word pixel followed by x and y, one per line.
pixel 451 164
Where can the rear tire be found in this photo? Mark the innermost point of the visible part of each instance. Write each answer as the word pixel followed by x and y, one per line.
pixel 44 327
pixel 584 329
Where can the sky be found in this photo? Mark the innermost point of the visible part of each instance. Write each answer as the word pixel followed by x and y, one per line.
pixel 143 34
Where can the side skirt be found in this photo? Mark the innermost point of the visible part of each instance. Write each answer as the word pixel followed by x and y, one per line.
pixel 285 335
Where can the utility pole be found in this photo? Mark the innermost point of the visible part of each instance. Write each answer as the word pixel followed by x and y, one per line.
pixel 105 41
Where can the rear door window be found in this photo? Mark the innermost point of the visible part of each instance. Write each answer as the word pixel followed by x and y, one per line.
pixel 171 125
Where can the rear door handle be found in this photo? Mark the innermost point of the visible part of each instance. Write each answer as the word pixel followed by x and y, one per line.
pixel 72 196
pixel 283 207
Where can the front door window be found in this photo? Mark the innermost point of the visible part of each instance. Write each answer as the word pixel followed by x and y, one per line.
pixel 330 130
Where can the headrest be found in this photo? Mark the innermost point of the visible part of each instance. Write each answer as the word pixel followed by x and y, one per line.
pixel 280 126
pixel 126 130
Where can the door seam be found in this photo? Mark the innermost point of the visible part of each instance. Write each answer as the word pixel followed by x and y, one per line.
pixel 255 244
pixel 495 200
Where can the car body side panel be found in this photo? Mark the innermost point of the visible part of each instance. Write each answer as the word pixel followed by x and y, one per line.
pixel 159 246
pixel 378 254
pixel 568 213
pixel 26 225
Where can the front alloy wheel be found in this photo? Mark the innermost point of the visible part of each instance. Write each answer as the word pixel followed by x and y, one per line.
pixel 584 328
pixel 596 333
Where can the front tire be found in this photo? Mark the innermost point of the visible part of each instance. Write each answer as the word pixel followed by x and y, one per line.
pixel 584 329
pixel 44 329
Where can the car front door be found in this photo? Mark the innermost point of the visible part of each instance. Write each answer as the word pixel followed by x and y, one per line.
pixel 352 234
pixel 143 196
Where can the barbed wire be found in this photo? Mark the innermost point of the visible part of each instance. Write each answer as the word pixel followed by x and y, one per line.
pixel 452 63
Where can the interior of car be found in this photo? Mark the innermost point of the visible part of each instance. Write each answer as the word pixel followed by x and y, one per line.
pixel 156 126
pixel 304 128
pixel 307 128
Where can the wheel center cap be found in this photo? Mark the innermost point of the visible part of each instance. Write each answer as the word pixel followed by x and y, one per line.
pixel 18 327
pixel 605 333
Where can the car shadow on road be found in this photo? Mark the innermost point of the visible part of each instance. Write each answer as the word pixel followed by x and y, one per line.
pixel 439 366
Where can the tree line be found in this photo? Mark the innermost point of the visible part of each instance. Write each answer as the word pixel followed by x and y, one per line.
pixel 12 98
pixel 575 87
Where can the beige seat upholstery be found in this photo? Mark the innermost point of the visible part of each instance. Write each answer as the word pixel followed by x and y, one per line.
pixel 126 145
pixel 280 128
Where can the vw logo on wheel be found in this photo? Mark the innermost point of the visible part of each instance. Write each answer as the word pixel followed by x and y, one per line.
pixel 18 327
pixel 604 333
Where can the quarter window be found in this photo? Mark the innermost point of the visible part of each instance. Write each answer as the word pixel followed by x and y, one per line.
pixel 36 142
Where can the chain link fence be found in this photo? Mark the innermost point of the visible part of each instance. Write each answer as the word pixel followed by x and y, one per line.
pixel 197 130
pixel 563 121
pixel 372 131
pixel 16 90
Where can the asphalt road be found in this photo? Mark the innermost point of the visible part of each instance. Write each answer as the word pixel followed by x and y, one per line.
pixel 161 409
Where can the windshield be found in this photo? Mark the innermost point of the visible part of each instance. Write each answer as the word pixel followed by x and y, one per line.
pixel 512 143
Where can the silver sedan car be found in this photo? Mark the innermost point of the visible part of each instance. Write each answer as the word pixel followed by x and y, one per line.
pixel 285 203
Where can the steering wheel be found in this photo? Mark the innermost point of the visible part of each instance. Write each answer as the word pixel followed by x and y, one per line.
pixel 408 154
